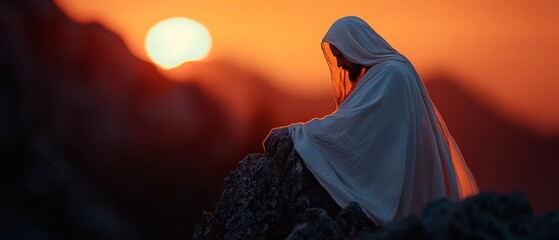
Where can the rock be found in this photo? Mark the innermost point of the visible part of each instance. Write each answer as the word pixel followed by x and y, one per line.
pixel 484 216
pixel 350 223
pixel 316 224
pixel 353 221
pixel 266 196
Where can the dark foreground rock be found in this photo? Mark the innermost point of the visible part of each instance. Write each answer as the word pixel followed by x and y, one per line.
pixel 266 196
pixel 484 216
pixel 278 198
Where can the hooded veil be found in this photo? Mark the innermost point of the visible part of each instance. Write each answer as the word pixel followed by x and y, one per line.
pixel 386 145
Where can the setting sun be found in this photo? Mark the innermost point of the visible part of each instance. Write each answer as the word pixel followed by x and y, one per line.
pixel 175 41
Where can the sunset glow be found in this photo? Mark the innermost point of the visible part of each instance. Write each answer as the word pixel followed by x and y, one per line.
pixel 154 102
pixel 503 53
pixel 175 41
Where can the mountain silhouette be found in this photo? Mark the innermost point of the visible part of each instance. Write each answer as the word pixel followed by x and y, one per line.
pixel 90 134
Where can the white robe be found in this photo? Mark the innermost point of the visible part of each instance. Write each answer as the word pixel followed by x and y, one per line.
pixel 385 146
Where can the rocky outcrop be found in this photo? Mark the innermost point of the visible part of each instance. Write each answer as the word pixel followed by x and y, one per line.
pixel 276 197
pixel 484 216
pixel 266 196
pixel 350 223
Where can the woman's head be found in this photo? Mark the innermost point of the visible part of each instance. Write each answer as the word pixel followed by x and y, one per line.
pixel 350 47
pixel 358 42
pixel 353 69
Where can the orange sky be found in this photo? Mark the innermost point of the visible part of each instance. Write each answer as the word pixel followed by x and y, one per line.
pixel 506 51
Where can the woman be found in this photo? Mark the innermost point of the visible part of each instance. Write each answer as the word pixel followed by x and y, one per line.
pixel 386 145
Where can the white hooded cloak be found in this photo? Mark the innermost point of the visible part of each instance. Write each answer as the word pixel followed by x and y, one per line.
pixel 386 145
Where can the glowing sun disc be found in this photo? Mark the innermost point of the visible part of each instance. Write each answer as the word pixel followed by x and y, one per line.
pixel 174 41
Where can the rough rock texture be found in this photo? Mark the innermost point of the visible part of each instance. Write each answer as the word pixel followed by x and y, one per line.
pixel 316 224
pixel 278 198
pixel 484 216
pixel 266 196
pixel 350 223
pixel 353 221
